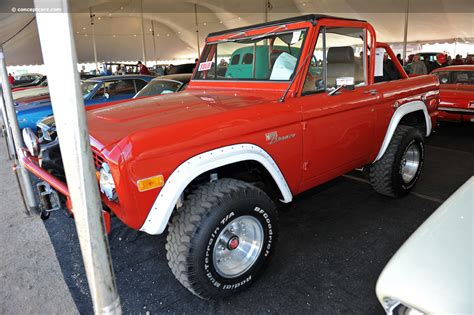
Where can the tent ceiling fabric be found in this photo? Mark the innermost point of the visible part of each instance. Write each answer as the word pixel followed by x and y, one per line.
pixel 118 23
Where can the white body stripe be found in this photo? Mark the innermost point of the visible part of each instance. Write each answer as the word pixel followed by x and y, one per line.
pixel 397 116
pixel 166 200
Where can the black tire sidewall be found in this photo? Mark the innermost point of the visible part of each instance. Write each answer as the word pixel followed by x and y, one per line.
pixel 412 136
pixel 255 204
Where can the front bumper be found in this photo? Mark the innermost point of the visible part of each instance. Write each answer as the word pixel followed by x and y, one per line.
pixel 31 164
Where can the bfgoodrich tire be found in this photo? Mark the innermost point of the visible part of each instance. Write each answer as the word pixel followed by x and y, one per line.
pixel 398 170
pixel 220 240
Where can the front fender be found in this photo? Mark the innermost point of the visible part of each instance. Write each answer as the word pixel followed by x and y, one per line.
pixel 166 200
pixel 29 118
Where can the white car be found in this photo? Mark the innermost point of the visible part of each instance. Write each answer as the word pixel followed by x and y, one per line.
pixel 432 273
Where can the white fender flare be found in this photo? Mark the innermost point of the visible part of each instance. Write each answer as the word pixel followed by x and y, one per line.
pixel 166 200
pixel 397 116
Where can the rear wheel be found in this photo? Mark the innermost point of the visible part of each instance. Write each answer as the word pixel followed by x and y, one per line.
pixel 398 170
pixel 220 240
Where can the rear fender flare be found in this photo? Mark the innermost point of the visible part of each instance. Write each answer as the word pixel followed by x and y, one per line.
pixel 397 116
pixel 165 202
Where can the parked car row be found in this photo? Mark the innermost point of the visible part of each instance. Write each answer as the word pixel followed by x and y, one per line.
pixel 97 90
pixel 46 128
pixel 209 164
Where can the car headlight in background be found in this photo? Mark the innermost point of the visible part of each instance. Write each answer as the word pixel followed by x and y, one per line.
pixel 106 182
pixel 393 307
pixel 31 141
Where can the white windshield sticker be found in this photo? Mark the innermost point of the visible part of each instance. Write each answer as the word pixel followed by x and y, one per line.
pixel 203 66
pixel 296 37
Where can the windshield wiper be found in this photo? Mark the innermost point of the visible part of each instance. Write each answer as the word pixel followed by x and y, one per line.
pixel 231 37
pixel 271 32
pixel 282 98
pixel 237 34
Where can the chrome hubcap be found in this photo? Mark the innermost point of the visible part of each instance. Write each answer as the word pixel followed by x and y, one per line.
pixel 410 163
pixel 238 246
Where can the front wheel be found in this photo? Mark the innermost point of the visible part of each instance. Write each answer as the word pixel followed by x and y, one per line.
pixel 398 170
pixel 220 240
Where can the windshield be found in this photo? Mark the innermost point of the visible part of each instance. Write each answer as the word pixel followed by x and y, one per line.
pixel 455 77
pixel 87 87
pixel 157 87
pixel 37 79
pixel 272 56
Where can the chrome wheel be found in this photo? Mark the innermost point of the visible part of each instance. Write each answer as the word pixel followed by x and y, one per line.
pixel 238 246
pixel 410 163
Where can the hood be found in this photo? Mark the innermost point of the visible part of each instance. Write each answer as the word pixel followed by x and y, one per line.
pixel 436 261
pixel 188 114
pixel 32 103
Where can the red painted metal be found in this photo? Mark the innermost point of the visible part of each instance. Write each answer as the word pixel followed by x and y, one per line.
pixel 456 100
pixel 330 135
pixel 31 164
pixel 394 59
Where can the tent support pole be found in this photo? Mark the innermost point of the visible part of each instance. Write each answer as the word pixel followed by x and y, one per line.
pixel 27 186
pixel 267 4
pixel 9 137
pixel 405 33
pixel 197 29
pixel 94 47
pixel 154 43
pixel 59 54
pixel 143 33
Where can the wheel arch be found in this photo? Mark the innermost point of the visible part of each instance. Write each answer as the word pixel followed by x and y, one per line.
pixel 191 169
pixel 408 114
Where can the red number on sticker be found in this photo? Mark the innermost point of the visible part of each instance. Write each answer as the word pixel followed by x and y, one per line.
pixel 203 66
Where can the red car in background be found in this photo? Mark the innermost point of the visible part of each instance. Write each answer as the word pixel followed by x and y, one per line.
pixel 456 93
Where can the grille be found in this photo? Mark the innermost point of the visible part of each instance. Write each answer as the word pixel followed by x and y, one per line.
pixel 98 159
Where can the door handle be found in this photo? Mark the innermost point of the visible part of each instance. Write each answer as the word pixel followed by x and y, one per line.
pixel 371 92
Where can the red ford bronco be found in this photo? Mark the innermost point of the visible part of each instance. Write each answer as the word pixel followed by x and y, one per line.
pixel 272 110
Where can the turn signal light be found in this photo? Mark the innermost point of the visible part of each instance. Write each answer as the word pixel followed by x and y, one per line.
pixel 150 183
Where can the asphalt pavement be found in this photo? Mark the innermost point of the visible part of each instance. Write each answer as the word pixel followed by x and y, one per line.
pixel 334 242
pixel 31 280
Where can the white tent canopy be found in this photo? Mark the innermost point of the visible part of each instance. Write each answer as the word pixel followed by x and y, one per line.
pixel 118 25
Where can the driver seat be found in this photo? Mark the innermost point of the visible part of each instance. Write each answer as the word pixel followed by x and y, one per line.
pixel 340 63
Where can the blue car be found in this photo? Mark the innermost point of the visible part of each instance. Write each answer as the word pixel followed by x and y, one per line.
pixel 94 90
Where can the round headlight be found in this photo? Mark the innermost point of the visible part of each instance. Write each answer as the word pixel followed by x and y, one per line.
pixel 106 182
pixel 31 141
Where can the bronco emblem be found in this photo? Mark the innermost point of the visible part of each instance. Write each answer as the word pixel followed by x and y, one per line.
pixel 272 137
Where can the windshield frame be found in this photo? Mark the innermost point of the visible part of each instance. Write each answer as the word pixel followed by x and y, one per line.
pixel 248 35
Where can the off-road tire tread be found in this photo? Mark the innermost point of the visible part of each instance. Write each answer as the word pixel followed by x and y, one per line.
pixel 187 221
pixel 380 173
